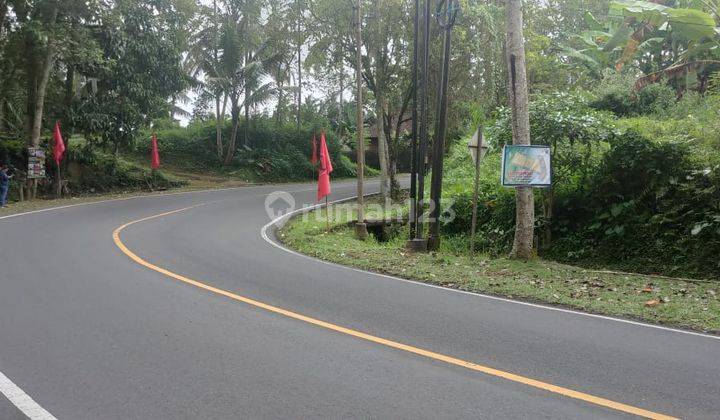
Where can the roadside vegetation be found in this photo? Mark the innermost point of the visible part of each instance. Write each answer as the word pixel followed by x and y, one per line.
pixel 113 73
pixel 628 100
pixel 625 93
pixel 634 193
pixel 675 302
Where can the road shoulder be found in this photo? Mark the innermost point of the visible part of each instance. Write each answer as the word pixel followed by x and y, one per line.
pixel 678 303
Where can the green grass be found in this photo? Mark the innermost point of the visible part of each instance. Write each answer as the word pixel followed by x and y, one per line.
pixel 682 303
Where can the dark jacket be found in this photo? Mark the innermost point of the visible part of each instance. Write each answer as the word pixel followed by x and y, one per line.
pixel 4 178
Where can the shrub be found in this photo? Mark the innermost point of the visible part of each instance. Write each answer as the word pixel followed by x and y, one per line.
pixel 93 171
pixel 12 152
pixel 274 153
pixel 644 205
pixel 615 93
pixel 496 205
pixel 576 133
pixel 648 208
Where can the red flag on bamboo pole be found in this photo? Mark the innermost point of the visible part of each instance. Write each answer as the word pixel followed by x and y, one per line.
pixel 154 154
pixel 59 146
pixel 325 169
pixel 314 157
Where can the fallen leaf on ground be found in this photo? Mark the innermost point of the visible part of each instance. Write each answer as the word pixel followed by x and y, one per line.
pixel 652 303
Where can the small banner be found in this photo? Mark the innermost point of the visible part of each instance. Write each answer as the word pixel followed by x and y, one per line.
pixel 36 163
pixel 526 166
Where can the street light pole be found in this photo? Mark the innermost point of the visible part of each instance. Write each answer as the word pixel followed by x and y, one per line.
pixel 441 125
pixel 418 243
pixel 414 141
pixel 360 227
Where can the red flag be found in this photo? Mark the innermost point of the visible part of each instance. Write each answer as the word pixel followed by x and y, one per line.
pixel 59 146
pixel 155 154
pixel 325 169
pixel 314 158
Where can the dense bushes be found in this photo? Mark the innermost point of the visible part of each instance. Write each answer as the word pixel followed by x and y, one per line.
pixel 615 93
pixel 87 169
pixel 273 152
pixel 623 199
pixel 496 211
pixel 648 208
pixel 91 171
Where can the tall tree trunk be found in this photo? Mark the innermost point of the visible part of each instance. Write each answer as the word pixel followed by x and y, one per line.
pixel 391 153
pixel 518 97
pixel 233 135
pixel 219 120
pixel 3 14
pixel 246 127
pixel 548 202
pixel 4 87
pixel 382 149
pixel 299 63
pixel 2 112
pixel 38 77
pixel 69 85
pixel 489 76
pixel 360 227
pixel 31 89
pixel 48 62
pixel 340 95
pixel 278 107
pixel 219 116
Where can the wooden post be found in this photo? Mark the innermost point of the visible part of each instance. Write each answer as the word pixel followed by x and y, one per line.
pixel 58 191
pixel 478 153
pixel 327 215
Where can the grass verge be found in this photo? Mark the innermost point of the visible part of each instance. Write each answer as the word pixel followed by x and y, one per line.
pixel 673 302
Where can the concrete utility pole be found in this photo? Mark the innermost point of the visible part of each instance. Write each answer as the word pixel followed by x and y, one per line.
pixel 299 62
pixel 518 96
pixel 417 243
pixel 413 148
pixel 360 227
pixel 441 127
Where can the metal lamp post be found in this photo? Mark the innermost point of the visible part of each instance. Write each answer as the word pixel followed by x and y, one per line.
pixel 446 20
pixel 417 242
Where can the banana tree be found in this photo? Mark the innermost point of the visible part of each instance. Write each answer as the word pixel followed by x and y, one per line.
pixel 662 42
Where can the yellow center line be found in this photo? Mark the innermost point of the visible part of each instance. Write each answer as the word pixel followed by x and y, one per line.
pixel 385 342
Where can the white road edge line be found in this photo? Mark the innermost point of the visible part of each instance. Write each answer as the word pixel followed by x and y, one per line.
pixel 135 197
pixel 280 221
pixel 15 394
pixel 23 401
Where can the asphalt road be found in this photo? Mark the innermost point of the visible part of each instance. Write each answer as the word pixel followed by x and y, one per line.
pixel 89 333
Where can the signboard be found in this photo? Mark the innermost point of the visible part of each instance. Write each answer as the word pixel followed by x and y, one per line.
pixel 526 166
pixel 36 163
pixel 477 142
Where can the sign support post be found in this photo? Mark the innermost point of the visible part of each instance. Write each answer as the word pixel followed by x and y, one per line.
pixel 477 149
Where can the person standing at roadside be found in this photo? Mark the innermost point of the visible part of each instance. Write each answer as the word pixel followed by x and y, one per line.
pixel 4 184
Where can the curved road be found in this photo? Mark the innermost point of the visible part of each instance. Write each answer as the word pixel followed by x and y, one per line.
pixel 89 333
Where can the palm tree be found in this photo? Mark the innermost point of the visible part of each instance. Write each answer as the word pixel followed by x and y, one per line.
pixel 234 58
